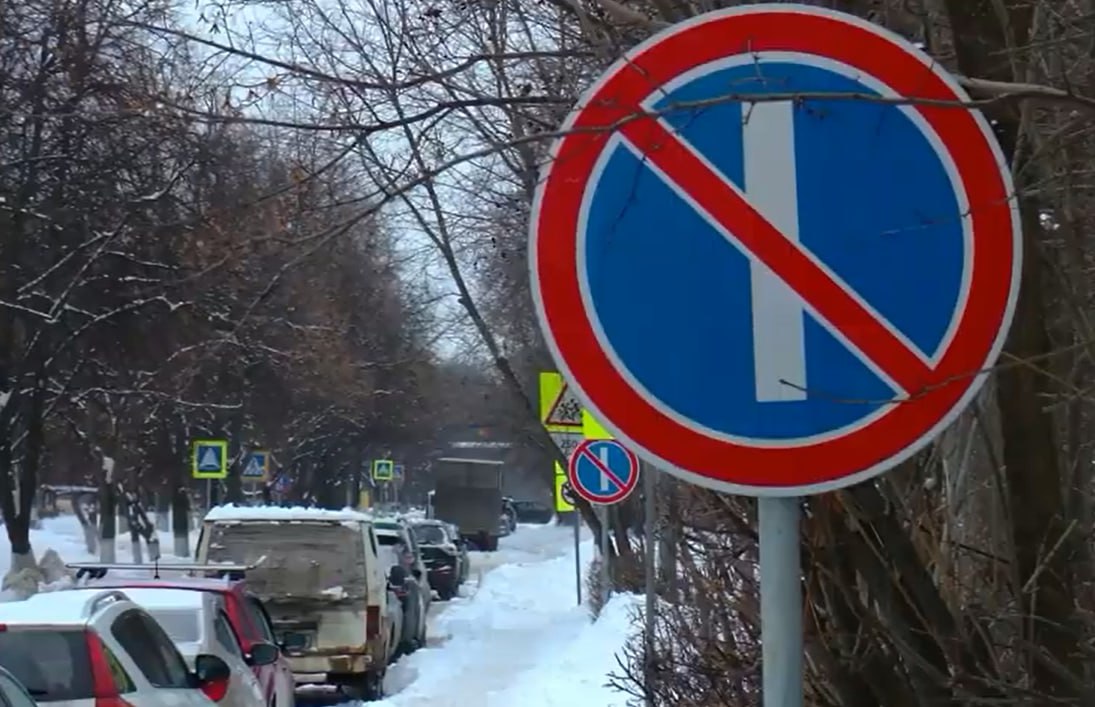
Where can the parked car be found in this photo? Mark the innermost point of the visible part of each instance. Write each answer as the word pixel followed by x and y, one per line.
pixel 446 560
pixel 412 586
pixel 246 614
pixel 462 546
pixel 320 576
pixel 13 693
pixel 509 513
pixel 533 511
pixel 198 623
pixel 97 648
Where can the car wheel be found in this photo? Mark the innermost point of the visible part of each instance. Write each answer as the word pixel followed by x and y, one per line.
pixel 368 688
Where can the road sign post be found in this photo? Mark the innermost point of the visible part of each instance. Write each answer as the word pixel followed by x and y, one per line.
pixel 824 321
pixel 603 472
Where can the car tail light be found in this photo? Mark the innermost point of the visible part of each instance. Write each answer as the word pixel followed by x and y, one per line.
pixel 104 689
pixel 372 622
pixel 216 689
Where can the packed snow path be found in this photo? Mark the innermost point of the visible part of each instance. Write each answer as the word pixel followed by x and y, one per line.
pixel 514 638
pixel 517 638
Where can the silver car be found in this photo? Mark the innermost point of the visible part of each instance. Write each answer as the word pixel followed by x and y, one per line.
pixel 197 622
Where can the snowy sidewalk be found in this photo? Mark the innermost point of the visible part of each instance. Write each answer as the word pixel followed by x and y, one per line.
pixel 521 640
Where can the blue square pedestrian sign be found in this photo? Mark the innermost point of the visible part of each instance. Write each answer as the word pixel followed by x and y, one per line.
pixel 209 459
pixel 257 466
pixel 383 469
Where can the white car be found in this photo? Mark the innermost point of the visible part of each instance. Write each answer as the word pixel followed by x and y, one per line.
pixel 96 648
pixel 397 540
pixel 198 623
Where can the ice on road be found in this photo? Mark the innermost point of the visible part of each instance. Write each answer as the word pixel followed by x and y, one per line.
pixel 520 639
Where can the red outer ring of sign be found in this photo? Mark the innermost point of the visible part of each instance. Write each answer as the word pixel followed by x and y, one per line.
pixel 572 474
pixel 821 465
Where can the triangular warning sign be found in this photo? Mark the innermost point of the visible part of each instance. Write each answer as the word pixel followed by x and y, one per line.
pixel 566 410
pixel 209 460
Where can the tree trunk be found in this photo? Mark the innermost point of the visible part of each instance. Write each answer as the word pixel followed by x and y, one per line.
pixel 180 521
pixel 88 522
pixel 162 502
pixel 1033 472
pixel 108 523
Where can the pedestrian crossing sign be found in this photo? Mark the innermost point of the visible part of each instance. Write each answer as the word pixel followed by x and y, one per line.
pixel 383 469
pixel 257 467
pixel 209 459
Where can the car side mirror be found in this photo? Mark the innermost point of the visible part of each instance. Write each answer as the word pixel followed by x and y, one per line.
pixel 263 653
pixel 212 675
pixel 294 642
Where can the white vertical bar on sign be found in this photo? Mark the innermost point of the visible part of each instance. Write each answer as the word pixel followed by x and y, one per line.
pixel 768 156
pixel 605 484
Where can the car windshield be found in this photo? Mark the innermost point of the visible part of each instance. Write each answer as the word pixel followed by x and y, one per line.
pixel 300 558
pixel 430 534
pixel 389 540
pixel 52 664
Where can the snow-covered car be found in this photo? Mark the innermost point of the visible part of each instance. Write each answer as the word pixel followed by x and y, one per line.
pixel 97 648
pixel 198 624
pixel 319 574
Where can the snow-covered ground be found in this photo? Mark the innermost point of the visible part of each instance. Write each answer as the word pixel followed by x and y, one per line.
pixel 516 636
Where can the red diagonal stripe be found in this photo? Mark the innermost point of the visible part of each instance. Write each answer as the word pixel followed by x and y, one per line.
pixel 726 205
pixel 604 468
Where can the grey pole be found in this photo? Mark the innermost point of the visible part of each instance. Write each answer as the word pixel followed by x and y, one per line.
pixel 606 571
pixel 577 518
pixel 780 601
pixel 650 510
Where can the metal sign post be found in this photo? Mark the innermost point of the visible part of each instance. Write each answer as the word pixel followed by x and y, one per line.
pixel 650 510
pixel 577 558
pixel 606 552
pixel 780 601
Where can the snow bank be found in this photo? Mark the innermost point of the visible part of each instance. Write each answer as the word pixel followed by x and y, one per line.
pixel 58 541
pixel 233 512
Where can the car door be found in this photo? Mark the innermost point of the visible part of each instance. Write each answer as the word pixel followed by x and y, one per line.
pixel 277 679
pixel 151 653
pixel 244 689
pixel 422 579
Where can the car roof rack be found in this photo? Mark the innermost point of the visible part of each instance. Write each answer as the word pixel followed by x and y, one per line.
pixel 98 570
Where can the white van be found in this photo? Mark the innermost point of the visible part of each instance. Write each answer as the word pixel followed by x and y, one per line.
pixel 319 575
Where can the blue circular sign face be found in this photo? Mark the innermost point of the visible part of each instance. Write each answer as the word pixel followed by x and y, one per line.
pixel 603 471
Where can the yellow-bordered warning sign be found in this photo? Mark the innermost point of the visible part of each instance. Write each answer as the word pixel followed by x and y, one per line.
pixel 560 409
pixel 562 505
pixel 591 429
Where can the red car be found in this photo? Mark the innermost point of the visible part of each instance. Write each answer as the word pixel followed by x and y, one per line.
pixel 249 620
